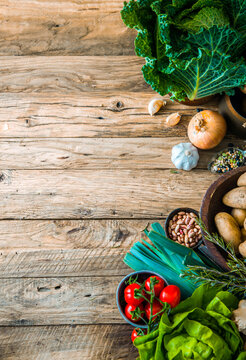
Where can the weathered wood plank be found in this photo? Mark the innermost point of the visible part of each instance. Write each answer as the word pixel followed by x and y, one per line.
pixel 63 194
pixel 69 234
pixel 104 153
pixel 71 74
pixel 90 114
pixel 67 247
pixel 49 263
pixel 59 301
pixel 93 342
pixel 64 27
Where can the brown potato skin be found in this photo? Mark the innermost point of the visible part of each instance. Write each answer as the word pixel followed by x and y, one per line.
pixel 242 249
pixel 239 215
pixel 242 180
pixel 236 198
pixel 228 229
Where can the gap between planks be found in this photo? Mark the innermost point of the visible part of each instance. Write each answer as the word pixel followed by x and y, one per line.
pixel 68 247
pixel 63 300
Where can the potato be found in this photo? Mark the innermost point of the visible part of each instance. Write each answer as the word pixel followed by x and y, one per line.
pixel 239 215
pixel 228 229
pixel 242 180
pixel 242 249
pixel 236 198
pixel 244 224
pixel 243 234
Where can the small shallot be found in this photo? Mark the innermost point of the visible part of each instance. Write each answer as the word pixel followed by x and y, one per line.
pixel 173 119
pixel 155 105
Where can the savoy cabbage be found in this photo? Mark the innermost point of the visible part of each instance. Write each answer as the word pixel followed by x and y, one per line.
pixel 192 48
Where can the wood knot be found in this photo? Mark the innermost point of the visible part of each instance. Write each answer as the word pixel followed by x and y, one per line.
pixel 119 104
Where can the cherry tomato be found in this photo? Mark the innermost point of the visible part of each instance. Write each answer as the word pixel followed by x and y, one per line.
pixel 129 294
pixel 157 307
pixel 135 333
pixel 171 295
pixel 157 287
pixel 130 308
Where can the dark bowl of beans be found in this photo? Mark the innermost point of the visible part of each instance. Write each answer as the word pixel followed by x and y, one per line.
pixel 181 227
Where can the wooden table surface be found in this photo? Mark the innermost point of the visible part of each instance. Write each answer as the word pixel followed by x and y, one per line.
pixel 84 168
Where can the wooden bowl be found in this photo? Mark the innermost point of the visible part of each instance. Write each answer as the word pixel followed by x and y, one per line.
pixel 228 108
pixel 212 204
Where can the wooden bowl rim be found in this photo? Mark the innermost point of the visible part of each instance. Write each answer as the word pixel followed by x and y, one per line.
pixel 233 110
pixel 205 207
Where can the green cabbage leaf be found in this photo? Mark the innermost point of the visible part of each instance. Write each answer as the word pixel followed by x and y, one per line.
pixel 192 48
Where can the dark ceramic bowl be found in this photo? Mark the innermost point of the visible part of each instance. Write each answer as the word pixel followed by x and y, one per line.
pixel 173 213
pixel 142 276
pixel 212 204
pixel 229 106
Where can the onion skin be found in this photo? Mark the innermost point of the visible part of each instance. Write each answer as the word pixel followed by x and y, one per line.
pixel 207 129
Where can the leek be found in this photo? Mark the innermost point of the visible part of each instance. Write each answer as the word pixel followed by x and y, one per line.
pixel 165 257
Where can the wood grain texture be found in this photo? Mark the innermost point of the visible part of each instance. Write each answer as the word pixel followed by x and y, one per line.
pixel 93 342
pixel 64 27
pixel 71 74
pixel 89 114
pixel 70 234
pixel 63 194
pixel 105 153
pixel 48 263
pixel 67 247
pixel 59 301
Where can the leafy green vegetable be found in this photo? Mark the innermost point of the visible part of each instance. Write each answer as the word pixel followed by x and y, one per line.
pixel 200 327
pixel 192 48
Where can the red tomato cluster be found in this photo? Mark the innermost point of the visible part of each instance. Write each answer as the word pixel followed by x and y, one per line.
pixel 167 294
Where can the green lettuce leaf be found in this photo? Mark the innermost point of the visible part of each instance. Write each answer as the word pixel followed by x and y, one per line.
pixel 198 328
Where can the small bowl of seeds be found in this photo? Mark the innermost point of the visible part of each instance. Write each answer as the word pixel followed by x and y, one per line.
pixel 181 227
pixel 227 160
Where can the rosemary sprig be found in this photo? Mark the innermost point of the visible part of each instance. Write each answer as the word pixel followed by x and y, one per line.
pixel 233 280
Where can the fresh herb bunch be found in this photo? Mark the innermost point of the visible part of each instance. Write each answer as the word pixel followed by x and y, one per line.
pixel 192 48
pixel 233 280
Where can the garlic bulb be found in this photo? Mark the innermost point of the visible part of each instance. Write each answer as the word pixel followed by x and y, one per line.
pixel 185 156
pixel 173 119
pixel 155 105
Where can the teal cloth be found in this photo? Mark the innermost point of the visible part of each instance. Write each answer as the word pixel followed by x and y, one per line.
pixel 198 328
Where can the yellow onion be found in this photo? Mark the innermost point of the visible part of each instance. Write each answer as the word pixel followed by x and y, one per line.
pixel 206 129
